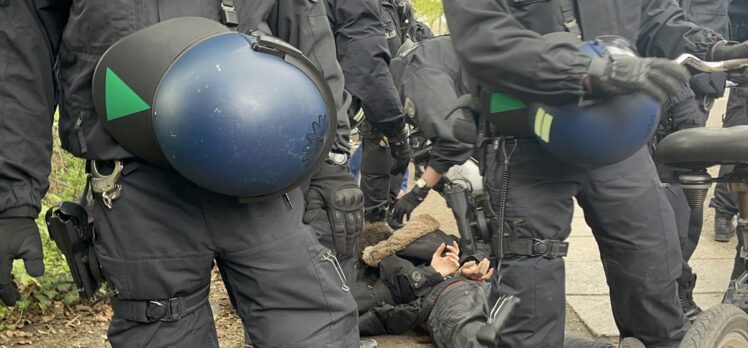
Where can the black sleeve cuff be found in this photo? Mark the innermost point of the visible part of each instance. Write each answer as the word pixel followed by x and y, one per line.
pixel 432 276
pixel 391 129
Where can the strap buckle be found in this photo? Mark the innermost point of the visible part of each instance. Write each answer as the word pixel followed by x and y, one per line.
pixel 228 14
pixel 549 248
pixel 573 27
pixel 167 310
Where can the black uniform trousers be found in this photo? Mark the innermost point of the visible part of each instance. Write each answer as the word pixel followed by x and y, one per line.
pixel 163 235
pixel 379 187
pixel 736 115
pixel 633 225
pixel 725 202
pixel 460 311
pixel 685 112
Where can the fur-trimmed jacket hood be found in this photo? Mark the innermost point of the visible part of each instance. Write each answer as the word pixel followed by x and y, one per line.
pixel 416 241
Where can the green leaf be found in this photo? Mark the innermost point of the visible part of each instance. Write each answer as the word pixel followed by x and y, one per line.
pixel 70 297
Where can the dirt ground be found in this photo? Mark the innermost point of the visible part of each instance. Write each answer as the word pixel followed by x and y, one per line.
pixel 83 326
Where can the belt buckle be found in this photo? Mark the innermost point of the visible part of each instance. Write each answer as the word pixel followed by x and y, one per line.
pixel 228 15
pixel 155 311
pixel 167 310
pixel 539 247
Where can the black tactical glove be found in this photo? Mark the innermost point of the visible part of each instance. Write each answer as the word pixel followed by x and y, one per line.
pixel 19 239
pixel 407 203
pixel 334 190
pixel 397 139
pixel 729 50
pixel 733 50
pixel 655 76
pixel 400 151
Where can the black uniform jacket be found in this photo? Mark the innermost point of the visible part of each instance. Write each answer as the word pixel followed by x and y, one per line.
pixel 738 13
pixel 501 43
pixel 711 14
pixel 36 36
pixel 430 80
pixel 396 287
pixel 364 56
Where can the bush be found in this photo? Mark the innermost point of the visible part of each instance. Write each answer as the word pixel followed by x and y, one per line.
pixel 50 293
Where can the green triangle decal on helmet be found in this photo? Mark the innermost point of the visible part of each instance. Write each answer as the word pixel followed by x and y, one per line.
pixel 121 100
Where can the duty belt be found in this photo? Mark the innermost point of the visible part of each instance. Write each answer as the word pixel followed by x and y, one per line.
pixel 548 248
pixel 516 125
pixel 149 311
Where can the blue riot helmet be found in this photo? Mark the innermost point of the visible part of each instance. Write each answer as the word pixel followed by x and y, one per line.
pixel 242 115
pixel 594 132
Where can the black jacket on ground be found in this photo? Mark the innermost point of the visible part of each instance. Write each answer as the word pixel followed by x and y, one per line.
pixel 397 294
pixel 364 56
pixel 500 42
pixel 37 35
pixel 430 80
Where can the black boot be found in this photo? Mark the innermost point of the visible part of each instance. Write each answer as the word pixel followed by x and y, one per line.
pixel 724 229
pixel 685 294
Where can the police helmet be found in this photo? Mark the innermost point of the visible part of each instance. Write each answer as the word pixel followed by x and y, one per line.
pixel 241 115
pixel 596 132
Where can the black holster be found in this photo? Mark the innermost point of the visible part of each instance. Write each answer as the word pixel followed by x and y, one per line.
pixel 69 227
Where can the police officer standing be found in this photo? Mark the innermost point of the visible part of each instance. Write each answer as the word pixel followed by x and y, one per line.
pixel 501 46
pixel 363 54
pixel 158 237
pixel 724 202
pixel 690 108
pixel 385 149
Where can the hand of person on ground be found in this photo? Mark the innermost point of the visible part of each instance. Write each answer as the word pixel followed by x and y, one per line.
pixel 448 264
pixel 481 271
pixel 20 240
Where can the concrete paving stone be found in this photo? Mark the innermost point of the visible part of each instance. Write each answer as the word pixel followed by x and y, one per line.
pixel 579 227
pixel 588 278
pixel 595 313
pixel 582 249
pixel 585 278
pixel 713 275
pixel 709 249
pixel 706 301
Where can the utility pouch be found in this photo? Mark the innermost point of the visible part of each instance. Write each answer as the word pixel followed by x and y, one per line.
pixel 69 227
pixel 506 115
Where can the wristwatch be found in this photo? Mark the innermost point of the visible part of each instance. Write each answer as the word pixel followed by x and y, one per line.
pixel 421 189
pixel 337 158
